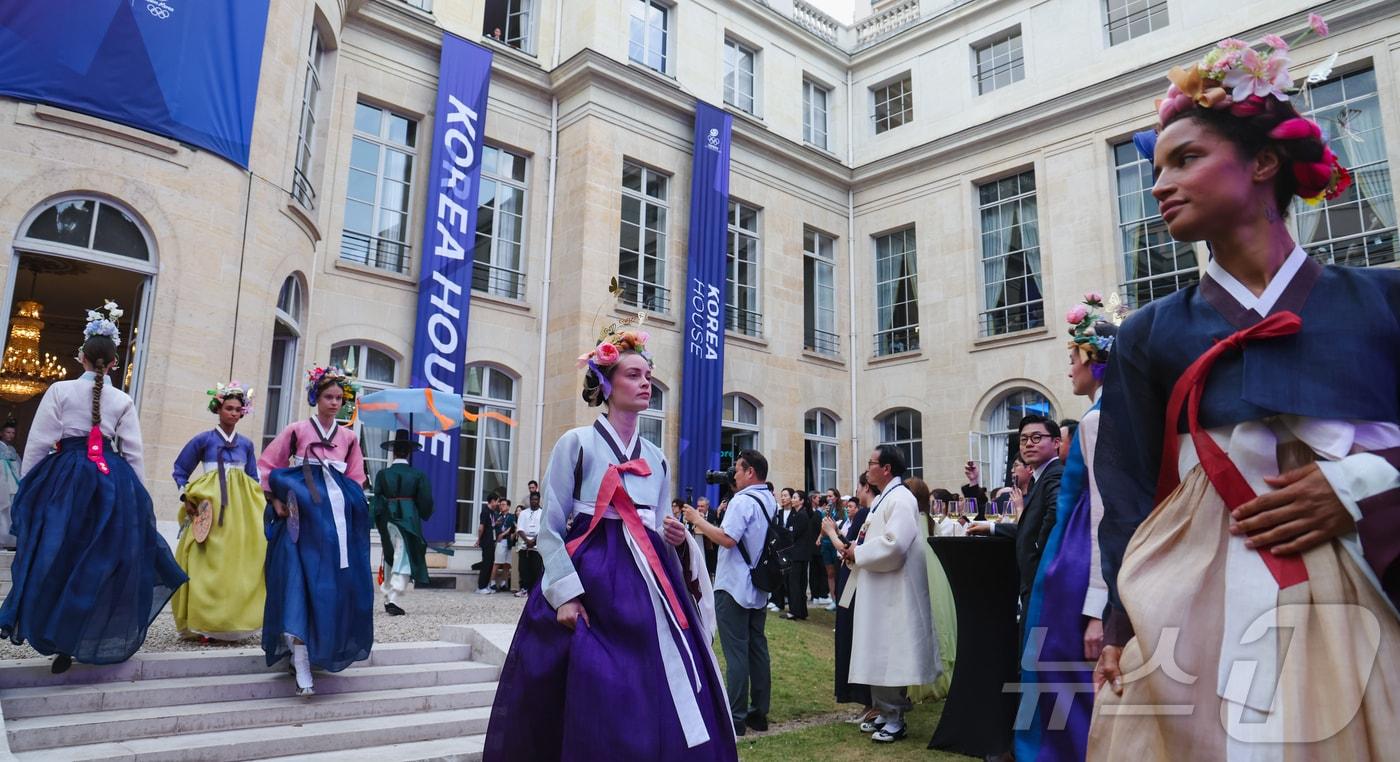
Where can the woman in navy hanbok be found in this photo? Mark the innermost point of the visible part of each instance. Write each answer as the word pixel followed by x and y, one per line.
pixel 612 659
pixel 320 592
pixel 91 571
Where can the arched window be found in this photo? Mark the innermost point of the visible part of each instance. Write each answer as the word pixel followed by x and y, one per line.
pixel 374 370
pixel 282 397
pixel 904 428
pixel 652 421
pixel 91 224
pixel 483 466
pixel 739 429
pixel 819 429
pixel 995 446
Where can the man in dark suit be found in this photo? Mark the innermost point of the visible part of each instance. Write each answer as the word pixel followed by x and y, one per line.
pixel 1040 444
pixel 798 520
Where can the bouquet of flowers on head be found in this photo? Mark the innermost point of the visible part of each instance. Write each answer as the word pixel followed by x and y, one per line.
pixel 318 374
pixel 221 392
pixel 1093 326
pixel 100 324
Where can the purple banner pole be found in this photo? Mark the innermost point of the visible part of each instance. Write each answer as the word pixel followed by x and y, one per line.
pixel 444 279
pixel 702 373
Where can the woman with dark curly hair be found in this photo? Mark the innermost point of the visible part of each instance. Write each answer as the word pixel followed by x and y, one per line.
pixel 1249 482
pixel 222 547
pixel 611 658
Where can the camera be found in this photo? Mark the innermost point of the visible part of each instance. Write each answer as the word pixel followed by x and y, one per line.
pixel 720 477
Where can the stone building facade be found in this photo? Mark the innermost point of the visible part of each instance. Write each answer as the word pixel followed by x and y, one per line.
pixel 918 197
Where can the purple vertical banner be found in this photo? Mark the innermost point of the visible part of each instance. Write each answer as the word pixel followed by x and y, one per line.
pixel 702 370
pixel 445 276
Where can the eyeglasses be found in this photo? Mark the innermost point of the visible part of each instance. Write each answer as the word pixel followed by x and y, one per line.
pixel 873 463
pixel 1034 439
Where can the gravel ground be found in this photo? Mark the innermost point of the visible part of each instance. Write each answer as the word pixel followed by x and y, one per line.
pixel 427 611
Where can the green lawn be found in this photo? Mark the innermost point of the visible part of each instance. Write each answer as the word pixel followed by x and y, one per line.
pixel 803 656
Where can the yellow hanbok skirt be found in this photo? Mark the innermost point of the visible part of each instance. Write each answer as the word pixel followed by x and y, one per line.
pixel 224 598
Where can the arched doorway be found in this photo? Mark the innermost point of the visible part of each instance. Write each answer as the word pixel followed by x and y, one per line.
pixel 73 253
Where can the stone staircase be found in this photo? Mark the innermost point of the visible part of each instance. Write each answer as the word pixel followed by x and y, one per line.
pixel 408 701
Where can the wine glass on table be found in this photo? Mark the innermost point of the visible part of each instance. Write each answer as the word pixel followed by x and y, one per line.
pixel 970 508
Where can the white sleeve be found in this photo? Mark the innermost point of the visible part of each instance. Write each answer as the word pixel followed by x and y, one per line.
pixel 887 551
pixel 44 431
pixel 560 583
pixel 1354 478
pixel 1096 596
pixel 128 436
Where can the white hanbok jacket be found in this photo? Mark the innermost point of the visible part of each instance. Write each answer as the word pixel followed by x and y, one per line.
pixel 893 642
pixel 66 411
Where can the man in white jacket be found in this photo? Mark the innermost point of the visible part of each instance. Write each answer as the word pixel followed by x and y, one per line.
pixel 893 643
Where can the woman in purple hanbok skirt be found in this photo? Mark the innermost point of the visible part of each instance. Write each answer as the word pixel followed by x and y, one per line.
pixel 612 658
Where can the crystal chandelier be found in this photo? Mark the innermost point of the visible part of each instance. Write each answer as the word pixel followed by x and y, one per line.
pixel 25 371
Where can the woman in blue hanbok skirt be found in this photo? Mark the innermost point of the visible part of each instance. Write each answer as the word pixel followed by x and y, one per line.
pixel 90 571
pixel 612 657
pixel 320 593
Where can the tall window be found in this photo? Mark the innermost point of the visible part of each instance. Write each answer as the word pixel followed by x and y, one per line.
pixel 739 75
pixel 1358 227
pixel 739 428
pixel 814 110
pixel 641 266
pixel 1010 256
pixel 498 266
pixel 819 293
pixel 1000 62
pixel 377 191
pixel 509 22
pixel 904 428
pixel 819 428
pixel 896 293
pixel 647 30
pixel 651 423
pixel 1129 19
pixel 302 189
pixel 894 104
pixel 996 444
pixel 742 310
pixel 422 5
pixel 374 370
pixel 483 466
pixel 281 394
pixel 1154 264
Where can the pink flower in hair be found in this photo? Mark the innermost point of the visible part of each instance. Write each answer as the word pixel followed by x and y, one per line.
pixel 1093 297
pixel 606 354
pixel 1076 314
pixel 1318 25
pixel 1275 42
pixel 1260 76
pixel 1233 44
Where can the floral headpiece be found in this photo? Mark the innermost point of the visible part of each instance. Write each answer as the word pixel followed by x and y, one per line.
pixel 612 342
pixel 1237 77
pixel 319 374
pixel 222 392
pixel 1086 333
pixel 99 324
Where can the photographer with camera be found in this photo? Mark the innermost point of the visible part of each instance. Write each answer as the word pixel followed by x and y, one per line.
pixel 740 606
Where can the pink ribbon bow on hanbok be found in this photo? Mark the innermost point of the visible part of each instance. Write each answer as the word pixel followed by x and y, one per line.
pixel 1224 476
pixel 612 493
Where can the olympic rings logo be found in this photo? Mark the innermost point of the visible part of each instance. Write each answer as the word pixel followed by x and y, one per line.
pixel 160 10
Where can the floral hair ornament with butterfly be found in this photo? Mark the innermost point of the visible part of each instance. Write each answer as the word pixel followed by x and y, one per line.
pixel 622 336
pixel 320 375
pixel 103 322
pixel 1094 328
pixel 1240 77
pixel 232 390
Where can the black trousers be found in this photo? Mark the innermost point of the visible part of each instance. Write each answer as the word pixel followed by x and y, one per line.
pixel 797 589
pixel 531 568
pixel 488 562
pixel 819 578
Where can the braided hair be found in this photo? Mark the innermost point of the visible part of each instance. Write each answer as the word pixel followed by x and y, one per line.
pixel 101 353
pixel 1257 124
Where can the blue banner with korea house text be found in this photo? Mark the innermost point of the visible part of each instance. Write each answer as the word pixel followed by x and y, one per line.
pixel 185 69
pixel 702 369
pixel 444 279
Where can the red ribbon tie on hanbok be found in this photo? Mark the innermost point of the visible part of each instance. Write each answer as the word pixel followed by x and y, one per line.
pixel 612 493
pixel 1224 476
pixel 94 450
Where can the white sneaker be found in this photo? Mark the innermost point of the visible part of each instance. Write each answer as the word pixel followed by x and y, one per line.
pixel 771 607
pixel 485 591
pixel 830 607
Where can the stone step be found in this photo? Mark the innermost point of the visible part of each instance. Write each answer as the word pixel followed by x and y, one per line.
pixel 184 691
pixel 281 740
pixel 63 730
pixel 213 660
pixel 459 749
